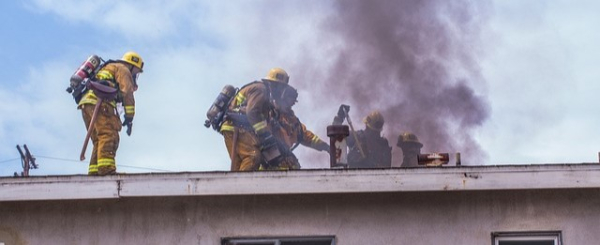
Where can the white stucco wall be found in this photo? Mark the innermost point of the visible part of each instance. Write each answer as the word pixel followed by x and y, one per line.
pixel 383 218
pixel 413 217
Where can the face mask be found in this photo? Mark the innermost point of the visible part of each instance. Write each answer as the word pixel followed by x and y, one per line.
pixel 135 78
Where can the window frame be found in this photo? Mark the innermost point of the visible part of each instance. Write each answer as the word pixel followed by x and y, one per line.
pixel 276 240
pixel 498 237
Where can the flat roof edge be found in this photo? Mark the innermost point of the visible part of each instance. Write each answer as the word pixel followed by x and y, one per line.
pixel 332 181
pixel 52 190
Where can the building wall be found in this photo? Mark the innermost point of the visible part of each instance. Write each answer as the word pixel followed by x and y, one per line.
pixel 458 217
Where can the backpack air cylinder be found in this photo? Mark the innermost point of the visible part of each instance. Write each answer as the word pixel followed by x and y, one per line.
pixel 84 71
pixel 217 110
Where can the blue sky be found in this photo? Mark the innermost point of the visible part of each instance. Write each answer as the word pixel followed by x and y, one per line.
pixel 539 60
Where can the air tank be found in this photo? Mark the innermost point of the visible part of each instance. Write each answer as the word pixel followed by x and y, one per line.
pixel 217 110
pixel 84 71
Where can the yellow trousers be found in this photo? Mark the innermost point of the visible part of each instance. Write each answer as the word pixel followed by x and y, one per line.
pixel 105 138
pixel 247 155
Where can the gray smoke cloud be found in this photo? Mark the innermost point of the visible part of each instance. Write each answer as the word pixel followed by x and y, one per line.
pixel 415 61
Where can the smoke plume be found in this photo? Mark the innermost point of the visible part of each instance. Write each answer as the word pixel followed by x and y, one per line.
pixel 415 61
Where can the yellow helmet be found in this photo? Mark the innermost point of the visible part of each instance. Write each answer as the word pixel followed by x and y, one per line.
pixel 134 59
pixel 277 75
pixel 408 138
pixel 374 121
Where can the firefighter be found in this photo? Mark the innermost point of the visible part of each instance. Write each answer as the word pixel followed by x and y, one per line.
pixel 411 148
pixel 372 150
pixel 247 135
pixel 287 127
pixel 121 74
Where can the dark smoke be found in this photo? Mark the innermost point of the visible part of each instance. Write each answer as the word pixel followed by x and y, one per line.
pixel 414 60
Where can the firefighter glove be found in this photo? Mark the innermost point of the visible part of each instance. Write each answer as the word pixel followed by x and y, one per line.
pixel 322 146
pixel 341 114
pixel 343 110
pixel 129 123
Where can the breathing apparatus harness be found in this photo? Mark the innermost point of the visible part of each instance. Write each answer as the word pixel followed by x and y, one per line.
pixel 89 72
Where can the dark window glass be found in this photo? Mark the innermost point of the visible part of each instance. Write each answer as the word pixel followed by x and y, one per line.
pixel 545 242
pixel 249 243
pixel 279 241
pixel 307 243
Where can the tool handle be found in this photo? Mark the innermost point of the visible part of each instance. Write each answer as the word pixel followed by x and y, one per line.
pixel 90 129
pixel 362 152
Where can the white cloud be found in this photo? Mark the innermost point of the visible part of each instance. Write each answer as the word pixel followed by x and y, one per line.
pixel 540 67
pixel 137 20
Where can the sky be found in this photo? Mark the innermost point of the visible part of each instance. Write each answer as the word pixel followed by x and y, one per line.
pixel 502 82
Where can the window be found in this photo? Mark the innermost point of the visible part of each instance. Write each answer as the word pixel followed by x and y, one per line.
pixel 527 238
pixel 328 240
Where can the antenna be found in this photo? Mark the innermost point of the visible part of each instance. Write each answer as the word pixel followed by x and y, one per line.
pixel 27 161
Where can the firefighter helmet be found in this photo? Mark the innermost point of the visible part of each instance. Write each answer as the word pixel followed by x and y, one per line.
pixel 277 75
pixel 134 59
pixel 408 139
pixel 374 121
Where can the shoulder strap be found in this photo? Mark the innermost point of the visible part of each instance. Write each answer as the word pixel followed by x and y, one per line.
pixel 238 90
pixel 102 65
pixel 248 85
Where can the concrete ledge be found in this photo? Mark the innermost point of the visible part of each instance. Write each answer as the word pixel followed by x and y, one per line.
pixel 57 188
pixel 311 181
